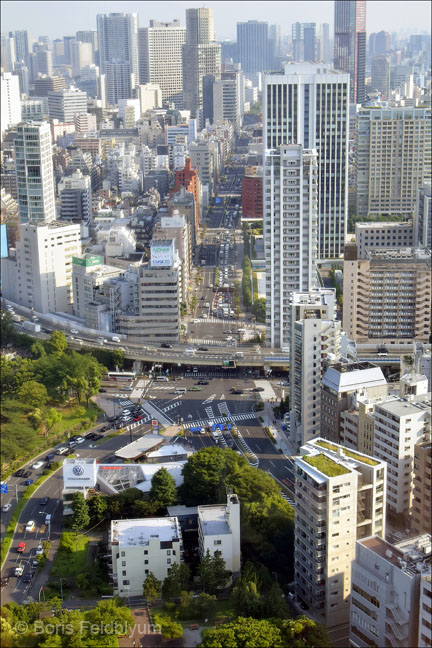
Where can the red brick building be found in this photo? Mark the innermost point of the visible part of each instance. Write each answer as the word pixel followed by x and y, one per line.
pixel 188 178
pixel 252 196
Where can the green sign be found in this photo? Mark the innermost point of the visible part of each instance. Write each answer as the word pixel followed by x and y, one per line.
pixel 87 263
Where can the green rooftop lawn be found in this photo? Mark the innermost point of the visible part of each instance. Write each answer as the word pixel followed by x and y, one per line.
pixel 326 465
pixel 348 453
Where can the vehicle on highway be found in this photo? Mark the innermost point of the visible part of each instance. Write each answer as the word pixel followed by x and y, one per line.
pixel 37 465
pixel 30 526
pixel 21 547
pixel 7 507
pixel 4 581
pixel 39 549
pixel 44 501
pixel 165 345
pixel 61 450
pixel 28 482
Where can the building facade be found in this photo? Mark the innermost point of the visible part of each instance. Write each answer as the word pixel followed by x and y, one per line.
pixel 340 498
pixel 308 105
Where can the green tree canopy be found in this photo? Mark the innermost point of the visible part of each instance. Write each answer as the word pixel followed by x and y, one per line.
pixel 163 490
pixel 244 632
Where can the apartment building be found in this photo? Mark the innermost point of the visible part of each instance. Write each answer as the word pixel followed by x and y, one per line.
pixel 421 521
pixel 160 58
pixel 38 273
pixel 219 530
pixel 313 335
pixel 340 497
pixel 308 104
pixel 374 235
pixel 141 546
pixel 338 386
pixel 387 295
pixel 34 172
pixel 399 424
pixel 393 159
pixel 389 581
pixel 290 232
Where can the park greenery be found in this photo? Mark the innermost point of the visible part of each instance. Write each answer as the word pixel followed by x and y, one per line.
pixel 45 393
pixel 47 625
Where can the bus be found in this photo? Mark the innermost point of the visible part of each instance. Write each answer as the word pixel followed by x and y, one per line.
pixel 122 375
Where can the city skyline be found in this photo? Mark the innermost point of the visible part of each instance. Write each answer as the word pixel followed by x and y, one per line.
pixel 65 17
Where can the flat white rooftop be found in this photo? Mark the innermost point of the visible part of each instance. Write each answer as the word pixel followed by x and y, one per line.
pixel 141 531
pixel 213 520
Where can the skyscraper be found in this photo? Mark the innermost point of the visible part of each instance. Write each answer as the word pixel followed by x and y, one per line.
pixel 34 172
pixel 201 56
pixel 308 105
pixel 118 41
pixel 350 44
pixel 160 58
pixel 254 46
pixel 290 232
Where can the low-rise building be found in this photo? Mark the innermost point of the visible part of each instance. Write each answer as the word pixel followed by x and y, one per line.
pixel 141 546
pixel 219 530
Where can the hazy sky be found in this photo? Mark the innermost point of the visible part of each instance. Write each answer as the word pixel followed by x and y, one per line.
pixel 56 19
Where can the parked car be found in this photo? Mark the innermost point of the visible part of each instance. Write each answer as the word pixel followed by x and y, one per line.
pixel 21 547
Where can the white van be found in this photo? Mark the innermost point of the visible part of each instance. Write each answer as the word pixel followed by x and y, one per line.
pixel 180 390
pixel 162 379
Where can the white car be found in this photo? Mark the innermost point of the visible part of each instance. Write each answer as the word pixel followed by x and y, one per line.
pixel 74 331
pixel 30 526
pixel 80 440
pixel 37 465
pixel 39 549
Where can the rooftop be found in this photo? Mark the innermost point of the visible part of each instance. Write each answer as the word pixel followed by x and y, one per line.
pixel 141 531
pixel 326 465
pixel 214 519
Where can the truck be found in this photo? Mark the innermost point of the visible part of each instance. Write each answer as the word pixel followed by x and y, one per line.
pixel 34 327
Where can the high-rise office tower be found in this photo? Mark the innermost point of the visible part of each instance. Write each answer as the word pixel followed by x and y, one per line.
pixel 160 58
pixel 201 56
pixel 22 45
pixel 10 100
pixel 393 159
pixel 313 334
pixel 350 44
pixel 340 498
pixel 254 46
pixel 290 232
pixel 118 41
pixel 381 74
pixel 308 105
pixel 34 172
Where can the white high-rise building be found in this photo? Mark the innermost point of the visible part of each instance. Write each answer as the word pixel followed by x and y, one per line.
pixel 118 41
pixel 313 334
pixel 39 276
pixel 34 172
pixel 290 232
pixel 160 58
pixel 308 104
pixel 10 100
pixel 340 498
pixel 66 103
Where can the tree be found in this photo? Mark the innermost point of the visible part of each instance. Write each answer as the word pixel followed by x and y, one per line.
pixel 97 508
pixel 81 517
pixel 57 343
pixel 163 489
pixel 33 393
pixel 151 587
pixel 244 632
pixel 212 572
pixel 169 629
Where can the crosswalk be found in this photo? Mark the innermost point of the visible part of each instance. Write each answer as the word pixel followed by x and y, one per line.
pixel 212 419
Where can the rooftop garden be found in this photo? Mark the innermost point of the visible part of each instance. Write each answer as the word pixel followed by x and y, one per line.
pixel 326 465
pixel 348 453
